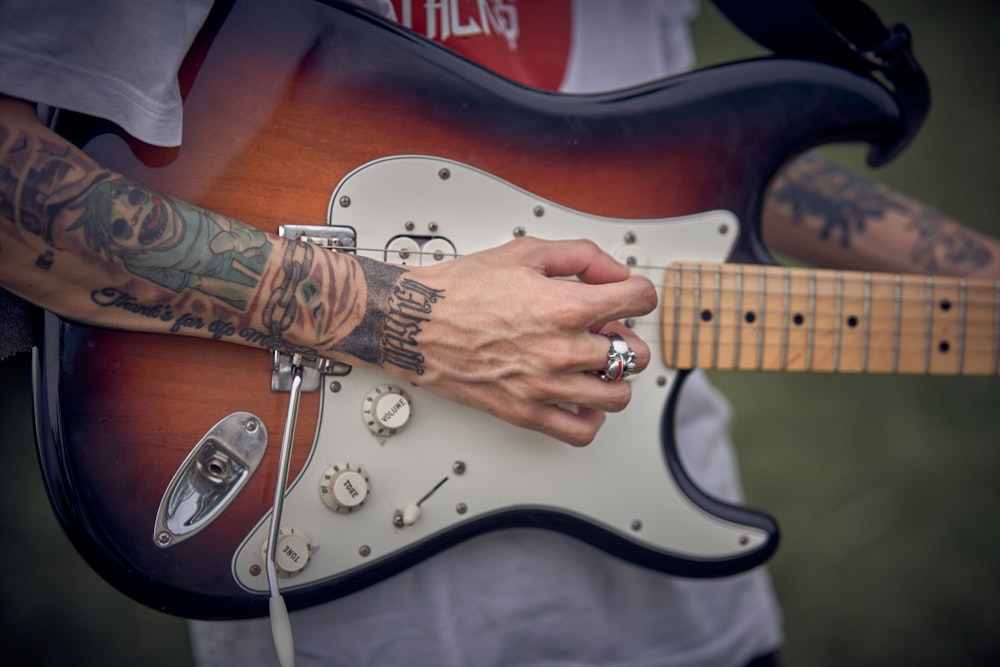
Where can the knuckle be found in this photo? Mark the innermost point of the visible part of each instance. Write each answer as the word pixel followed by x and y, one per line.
pixel 620 399
pixel 589 246
pixel 581 438
pixel 525 415
pixel 647 298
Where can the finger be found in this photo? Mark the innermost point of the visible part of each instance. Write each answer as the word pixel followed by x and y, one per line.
pixel 632 297
pixel 577 426
pixel 587 390
pixel 580 258
pixel 589 352
pixel 643 354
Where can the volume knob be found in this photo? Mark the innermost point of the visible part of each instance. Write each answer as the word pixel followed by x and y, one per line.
pixel 386 409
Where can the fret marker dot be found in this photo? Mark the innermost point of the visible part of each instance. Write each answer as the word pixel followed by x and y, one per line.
pixel 706 316
pixel 945 304
pixel 852 321
pixel 798 319
pixel 943 346
pixel 750 317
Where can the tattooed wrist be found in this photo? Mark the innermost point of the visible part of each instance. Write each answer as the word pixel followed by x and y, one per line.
pixel 397 309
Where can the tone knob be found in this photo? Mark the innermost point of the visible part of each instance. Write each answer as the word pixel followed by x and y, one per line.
pixel 343 488
pixel 386 409
pixel 292 554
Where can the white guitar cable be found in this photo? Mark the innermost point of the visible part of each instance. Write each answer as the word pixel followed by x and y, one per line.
pixel 281 626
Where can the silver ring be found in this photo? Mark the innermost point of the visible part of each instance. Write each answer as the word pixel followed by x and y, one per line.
pixel 621 360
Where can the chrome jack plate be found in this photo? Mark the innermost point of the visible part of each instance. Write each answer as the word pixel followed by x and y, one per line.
pixel 210 477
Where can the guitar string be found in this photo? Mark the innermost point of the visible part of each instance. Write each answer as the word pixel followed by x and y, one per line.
pixel 752 273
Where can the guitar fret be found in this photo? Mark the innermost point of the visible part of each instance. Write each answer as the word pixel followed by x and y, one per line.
pixel 677 314
pixel 899 323
pixel 739 314
pixel 840 321
pixel 930 323
pixel 697 319
pixel 787 301
pixel 718 314
pixel 868 322
pixel 762 307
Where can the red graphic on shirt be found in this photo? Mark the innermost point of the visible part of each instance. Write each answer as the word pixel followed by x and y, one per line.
pixel 527 42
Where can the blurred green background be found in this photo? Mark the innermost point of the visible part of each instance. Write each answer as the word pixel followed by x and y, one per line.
pixel 885 487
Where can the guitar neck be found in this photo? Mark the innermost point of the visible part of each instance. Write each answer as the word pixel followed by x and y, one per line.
pixel 750 317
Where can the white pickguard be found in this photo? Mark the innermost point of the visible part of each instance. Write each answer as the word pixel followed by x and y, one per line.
pixel 620 482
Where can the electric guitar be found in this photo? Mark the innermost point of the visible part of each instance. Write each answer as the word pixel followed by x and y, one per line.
pixel 160 452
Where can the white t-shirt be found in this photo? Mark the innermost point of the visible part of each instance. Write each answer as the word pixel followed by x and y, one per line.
pixel 515 597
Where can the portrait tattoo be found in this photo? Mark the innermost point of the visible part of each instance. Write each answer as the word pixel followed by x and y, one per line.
pixel 397 308
pixel 845 203
pixel 173 244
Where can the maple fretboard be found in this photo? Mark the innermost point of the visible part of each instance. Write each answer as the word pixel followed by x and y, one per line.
pixel 734 316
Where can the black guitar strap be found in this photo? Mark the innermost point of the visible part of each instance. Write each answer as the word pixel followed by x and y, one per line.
pixel 848 34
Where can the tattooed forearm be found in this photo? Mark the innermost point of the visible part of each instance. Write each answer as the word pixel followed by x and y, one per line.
pixel 281 309
pixel 171 243
pixel 217 329
pixel 842 201
pixel 39 179
pixel 57 194
pixel 151 262
pixel 943 248
pixel 397 307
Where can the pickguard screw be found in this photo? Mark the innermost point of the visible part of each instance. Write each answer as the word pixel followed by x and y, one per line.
pixel 365 551
pixel 252 425
pixel 254 570
pixel 519 232
pixel 409 225
pixel 461 508
pixel 458 467
pixel 630 322
pixel 444 174
pixel 163 538
pixel 636 525
pixel 723 229
pixel 661 380
pixel 744 540
pixel 433 227
pixel 539 211
pixel 345 201
pixel 630 237
pixel 335 386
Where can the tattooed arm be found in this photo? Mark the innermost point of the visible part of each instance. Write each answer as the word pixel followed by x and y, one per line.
pixel 823 214
pixel 492 330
